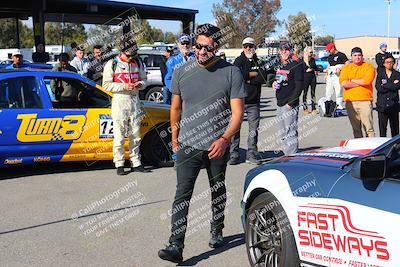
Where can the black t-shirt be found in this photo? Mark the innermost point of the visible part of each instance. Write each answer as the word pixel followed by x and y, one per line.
pixel 336 59
pixel 292 77
pixel 379 59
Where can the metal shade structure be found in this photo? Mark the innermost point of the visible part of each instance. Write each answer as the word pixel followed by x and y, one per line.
pixel 90 12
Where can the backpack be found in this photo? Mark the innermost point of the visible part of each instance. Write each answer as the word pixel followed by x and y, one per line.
pixel 327 108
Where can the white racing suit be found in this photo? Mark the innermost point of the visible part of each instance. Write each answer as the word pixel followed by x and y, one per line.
pixel 126 111
pixel 333 86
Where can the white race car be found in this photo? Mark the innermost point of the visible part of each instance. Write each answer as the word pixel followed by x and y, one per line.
pixel 327 207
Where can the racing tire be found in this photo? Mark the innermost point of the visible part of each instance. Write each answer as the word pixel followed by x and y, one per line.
pixel 269 236
pixel 155 147
pixel 155 94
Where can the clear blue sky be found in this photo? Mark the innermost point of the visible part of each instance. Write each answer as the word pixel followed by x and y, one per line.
pixel 341 18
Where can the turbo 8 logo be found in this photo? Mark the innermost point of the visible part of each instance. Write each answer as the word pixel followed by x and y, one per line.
pixel 33 129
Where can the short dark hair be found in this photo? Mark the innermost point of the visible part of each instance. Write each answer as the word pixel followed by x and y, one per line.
pixel 64 57
pixel 209 30
pixel 98 47
pixel 356 50
pixel 389 56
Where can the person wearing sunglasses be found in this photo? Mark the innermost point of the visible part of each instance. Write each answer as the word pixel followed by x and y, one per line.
pixel 124 76
pixel 174 62
pixel 206 111
pixel 249 64
pixel 387 104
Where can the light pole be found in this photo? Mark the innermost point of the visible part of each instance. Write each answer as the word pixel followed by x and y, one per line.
pixel 388 27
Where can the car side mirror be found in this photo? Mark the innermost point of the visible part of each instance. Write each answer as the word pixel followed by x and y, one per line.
pixel 371 170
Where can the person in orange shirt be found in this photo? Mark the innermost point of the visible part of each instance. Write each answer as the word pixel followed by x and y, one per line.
pixel 356 79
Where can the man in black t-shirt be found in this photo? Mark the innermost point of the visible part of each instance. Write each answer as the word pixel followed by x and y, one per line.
pixel 380 56
pixel 288 86
pixel 336 62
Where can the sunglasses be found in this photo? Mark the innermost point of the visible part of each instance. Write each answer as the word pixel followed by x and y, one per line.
pixel 129 55
pixel 248 46
pixel 185 43
pixel 209 48
pixel 387 62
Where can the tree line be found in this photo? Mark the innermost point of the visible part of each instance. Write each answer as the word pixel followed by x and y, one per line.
pixel 255 18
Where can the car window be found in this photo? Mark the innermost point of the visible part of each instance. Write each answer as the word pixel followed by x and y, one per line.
pixel 85 95
pixel 158 59
pixel 20 93
pixel 145 59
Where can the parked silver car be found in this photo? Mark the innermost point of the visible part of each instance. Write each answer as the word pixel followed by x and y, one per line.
pixel 154 85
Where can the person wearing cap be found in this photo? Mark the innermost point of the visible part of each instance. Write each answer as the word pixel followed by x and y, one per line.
pixel 80 63
pixel 174 62
pixel 169 51
pixel 387 104
pixel 356 79
pixel 336 61
pixel 288 87
pixel 381 55
pixel 248 64
pixel 17 61
pixel 124 76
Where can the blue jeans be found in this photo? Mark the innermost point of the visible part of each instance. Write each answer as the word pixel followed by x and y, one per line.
pixel 287 125
pixel 166 96
pixel 189 162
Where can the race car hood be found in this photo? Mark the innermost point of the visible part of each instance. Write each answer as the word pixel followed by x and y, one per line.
pixel 338 156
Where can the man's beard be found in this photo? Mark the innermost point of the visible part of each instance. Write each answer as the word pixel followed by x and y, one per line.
pixel 205 61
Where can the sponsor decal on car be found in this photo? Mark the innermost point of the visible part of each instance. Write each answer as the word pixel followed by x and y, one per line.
pixel 13 161
pixel 33 129
pixel 330 227
pixel 41 159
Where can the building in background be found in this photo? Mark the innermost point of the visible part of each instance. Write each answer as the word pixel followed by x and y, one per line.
pixel 369 44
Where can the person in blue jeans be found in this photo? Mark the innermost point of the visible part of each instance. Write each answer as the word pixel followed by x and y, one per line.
pixel 288 90
pixel 175 62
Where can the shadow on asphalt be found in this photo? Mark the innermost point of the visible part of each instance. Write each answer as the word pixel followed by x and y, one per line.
pixel 61 167
pixel 230 242
pixel 80 217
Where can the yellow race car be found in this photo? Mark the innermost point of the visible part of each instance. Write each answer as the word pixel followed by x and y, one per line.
pixel 35 128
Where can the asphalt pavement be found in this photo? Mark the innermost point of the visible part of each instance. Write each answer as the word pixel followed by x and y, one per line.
pixel 85 215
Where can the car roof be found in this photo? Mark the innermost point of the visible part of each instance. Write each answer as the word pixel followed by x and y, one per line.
pixel 44 72
pixel 150 52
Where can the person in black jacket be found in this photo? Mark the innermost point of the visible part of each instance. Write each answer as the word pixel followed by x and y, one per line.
pixel 248 64
pixel 380 56
pixel 96 65
pixel 288 85
pixel 310 79
pixel 387 104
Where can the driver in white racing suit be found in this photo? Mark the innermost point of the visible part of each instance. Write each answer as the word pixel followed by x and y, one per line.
pixel 124 76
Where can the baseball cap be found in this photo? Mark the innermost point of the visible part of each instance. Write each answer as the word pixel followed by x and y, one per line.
pixel 382 45
pixel 286 46
pixel 17 53
pixel 330 46
pixel 249 40
pixel 184 38
pixel 356 50
pixel 169 49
